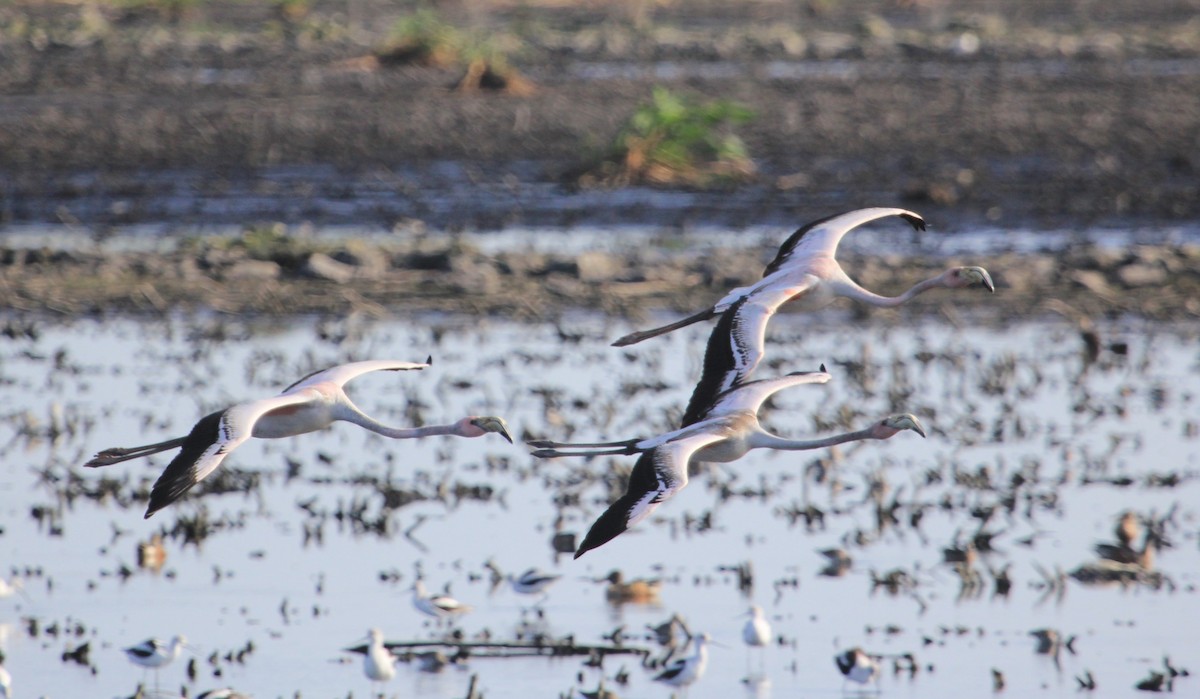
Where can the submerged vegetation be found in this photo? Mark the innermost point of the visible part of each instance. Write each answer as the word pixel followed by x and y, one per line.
pixel 676 140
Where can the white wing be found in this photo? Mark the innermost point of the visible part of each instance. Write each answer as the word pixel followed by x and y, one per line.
pixel 342 373
pixel 749 397
pixel 821 237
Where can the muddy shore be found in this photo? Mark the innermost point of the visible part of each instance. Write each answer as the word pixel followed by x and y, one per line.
pixel 432 275
pixel 1051 114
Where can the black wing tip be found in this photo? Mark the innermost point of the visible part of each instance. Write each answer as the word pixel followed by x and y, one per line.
pixel 823 369
pixel 914 220
pixel 429 360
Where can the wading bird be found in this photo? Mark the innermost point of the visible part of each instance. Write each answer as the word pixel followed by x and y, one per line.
pixel 379 664
pixel 312 403
pixel 804 270
pixel 756 633
pixel 685 671
pixel 729 430
pixel 532 582
pixel 437 606
pixel 857 666
pixel 154 653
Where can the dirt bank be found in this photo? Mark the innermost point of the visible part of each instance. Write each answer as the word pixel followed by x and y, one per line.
pixel 1051 112
pixel 436 275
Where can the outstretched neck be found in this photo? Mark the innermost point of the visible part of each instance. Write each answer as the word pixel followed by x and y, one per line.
pixel 351 413
pixel 771 441
pixel 917 289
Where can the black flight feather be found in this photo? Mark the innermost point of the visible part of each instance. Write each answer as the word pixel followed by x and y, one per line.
pixel 643 480
pixel 180 474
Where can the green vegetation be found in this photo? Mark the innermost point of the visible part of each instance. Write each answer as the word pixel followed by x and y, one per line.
pixel 674 140
pixel 422 38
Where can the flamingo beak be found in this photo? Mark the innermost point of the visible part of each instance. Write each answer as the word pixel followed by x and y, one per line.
pixel 907 421
pixel 980 276
pixel 495 424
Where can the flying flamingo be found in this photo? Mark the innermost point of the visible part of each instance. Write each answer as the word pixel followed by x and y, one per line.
pixel 804 269
pixel 729 429
pixel 312 403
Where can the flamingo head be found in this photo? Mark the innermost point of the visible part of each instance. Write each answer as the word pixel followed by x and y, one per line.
pixel 479 426
pixel 895 424
pixel 960 277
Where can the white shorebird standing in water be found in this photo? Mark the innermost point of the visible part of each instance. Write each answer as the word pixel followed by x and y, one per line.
pixel 437 606
pixel 856 666
pixel 684 671
pixel 728 430
pixel 154 653
pixel 804 270
pixel 312 403
pixel 379 664
pixel 757 634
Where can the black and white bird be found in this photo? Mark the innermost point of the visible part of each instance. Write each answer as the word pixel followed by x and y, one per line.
pixel 154 653
pixel 436 606
pixel 856 666
pixel 730 430
pixel 312 403
pixel 684 671
pixel 532 582
pixel 804 270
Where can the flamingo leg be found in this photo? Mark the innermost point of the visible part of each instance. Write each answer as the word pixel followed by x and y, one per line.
pixel 116 455
pixel 554 453
pixel 636 337
pixel 548 444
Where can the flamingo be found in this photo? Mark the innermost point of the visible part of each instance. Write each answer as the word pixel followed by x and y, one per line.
pixel 805 268
pixel 729 430
pixel 312 403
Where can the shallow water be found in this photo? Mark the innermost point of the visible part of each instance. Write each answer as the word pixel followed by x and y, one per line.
pixel 1013 398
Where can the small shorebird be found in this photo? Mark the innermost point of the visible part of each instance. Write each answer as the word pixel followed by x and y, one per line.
pixel 684 671
pixel 154 653
pixel 379 664
pixel 857 666
pixel 12 586
pixel 312 403
pixel 532 582
pixel 437 606
pixel 5 681
pixel 222 693
pixel 756 633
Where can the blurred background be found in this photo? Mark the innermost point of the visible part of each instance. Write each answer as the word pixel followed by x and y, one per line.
pixel 202 201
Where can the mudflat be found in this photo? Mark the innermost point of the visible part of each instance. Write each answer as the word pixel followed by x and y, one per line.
pixel 1049 114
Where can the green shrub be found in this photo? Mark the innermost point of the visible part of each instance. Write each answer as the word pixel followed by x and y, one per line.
pixel 675 140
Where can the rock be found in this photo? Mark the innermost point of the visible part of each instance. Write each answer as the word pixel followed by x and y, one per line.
pixel 323 266
pixel 1092 281
pixel 1140 274
pixel 252 269
pixel 597 266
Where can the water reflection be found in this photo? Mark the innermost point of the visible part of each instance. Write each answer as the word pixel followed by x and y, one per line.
pixel 1034 455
